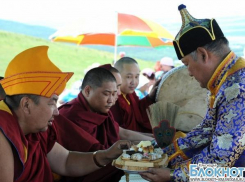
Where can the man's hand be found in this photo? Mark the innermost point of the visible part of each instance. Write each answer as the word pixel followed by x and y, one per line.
pixel 104 157
pixel 68 163
pixel 117 149
pixel 156 175
pixel 153 92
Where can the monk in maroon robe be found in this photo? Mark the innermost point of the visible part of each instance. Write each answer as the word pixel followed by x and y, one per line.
pixel 90 119
pixel 28 148
pixel 129 111
pixel 95 132
pixel 37 160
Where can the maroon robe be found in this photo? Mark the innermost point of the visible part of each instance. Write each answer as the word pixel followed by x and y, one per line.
pixel 80 129
pixel 133 116
pixel 30 165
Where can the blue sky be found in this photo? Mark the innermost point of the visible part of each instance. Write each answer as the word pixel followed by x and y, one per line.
pixel 57 13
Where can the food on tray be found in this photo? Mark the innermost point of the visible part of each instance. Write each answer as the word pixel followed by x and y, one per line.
pixel 141 157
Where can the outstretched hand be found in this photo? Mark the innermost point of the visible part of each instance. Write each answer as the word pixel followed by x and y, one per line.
pixel 156 175
pixel 117 149
pixel 153 92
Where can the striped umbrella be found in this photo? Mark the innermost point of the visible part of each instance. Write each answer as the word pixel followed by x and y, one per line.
pixel 131 31
pixel 100 30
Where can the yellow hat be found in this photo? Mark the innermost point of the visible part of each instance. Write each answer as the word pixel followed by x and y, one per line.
pixel 32 72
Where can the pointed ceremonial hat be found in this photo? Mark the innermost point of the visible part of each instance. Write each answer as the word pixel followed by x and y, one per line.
pixel 194 33
pixel 32 72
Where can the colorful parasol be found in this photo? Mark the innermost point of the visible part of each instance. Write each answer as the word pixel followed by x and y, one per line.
pixel 131 31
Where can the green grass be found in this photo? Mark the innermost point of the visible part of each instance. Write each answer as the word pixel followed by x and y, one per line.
pixel 68 58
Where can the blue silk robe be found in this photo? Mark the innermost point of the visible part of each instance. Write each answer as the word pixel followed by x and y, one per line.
pixel 220 138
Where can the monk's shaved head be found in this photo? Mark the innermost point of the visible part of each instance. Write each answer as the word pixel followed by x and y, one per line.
pixel 96 77
pixel 124 60
pixel 113 70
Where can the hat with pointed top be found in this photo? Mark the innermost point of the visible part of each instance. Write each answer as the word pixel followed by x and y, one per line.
pixel 194 33
pixel 32 72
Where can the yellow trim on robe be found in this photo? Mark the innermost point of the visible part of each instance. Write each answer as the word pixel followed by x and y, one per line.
pixel 218 71
pixel 4 107
pixel 124 96
pixel 178 152
pixel 240 63
pixel 26 153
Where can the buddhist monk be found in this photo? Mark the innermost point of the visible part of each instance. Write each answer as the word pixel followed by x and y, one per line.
pixel 117 76
pixel 28 148
pixel 129 111
pixel 90 116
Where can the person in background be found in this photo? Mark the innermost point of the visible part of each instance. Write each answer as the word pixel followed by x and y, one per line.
pixel 122 54
pixel 90 121
pixel 220 138
pixel 129 111
pixel 143 87
pixel 150 75
pixel 166 64
pixel 158 75
pixel 157 66
pixel 28 147
pixel 70 94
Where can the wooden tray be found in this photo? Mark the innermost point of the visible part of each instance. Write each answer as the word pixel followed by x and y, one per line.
pixel 139 166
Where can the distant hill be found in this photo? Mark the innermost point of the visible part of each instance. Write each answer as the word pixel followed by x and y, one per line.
pixel 233 28
pixel 30 30
pixel 69 58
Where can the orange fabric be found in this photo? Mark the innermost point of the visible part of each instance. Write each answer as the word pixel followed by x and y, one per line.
pixel 177 153
pixel 32 72
pixel 179 134
pixel 100 38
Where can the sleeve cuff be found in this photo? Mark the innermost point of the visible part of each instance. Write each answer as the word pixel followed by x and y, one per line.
pixel 181 172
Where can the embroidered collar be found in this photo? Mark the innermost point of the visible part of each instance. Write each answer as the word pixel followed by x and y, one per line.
pixel 219 74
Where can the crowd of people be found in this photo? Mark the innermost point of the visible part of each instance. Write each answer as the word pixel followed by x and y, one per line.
pixel 107 113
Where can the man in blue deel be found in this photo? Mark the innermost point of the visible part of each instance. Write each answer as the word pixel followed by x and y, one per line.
pixel 220 138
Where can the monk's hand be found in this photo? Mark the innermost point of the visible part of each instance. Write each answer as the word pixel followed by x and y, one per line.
pixel 156 174
pixel 152 94
pixel 104 157
pixel 117 149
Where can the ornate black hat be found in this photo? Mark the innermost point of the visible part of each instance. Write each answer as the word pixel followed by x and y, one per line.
pixel 194 33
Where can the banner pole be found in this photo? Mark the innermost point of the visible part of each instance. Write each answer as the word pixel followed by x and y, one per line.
pixel 116 32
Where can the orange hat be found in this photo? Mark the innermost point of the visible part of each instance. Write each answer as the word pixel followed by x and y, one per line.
pixel 32 72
